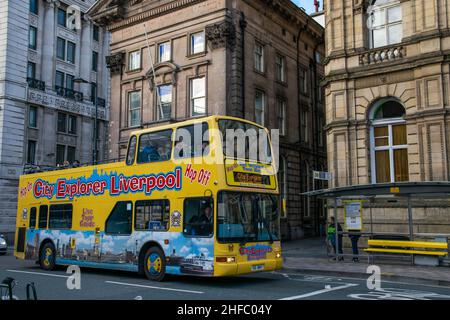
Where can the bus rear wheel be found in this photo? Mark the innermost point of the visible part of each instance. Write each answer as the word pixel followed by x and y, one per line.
pixel 155 264
pixel 47 257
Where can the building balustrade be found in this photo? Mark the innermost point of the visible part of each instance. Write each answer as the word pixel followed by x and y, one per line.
pixel 69 93
pixel 36 84
pixel 382 55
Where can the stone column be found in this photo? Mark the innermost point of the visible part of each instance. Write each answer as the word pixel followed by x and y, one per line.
pixel 49 48
pixel 85 56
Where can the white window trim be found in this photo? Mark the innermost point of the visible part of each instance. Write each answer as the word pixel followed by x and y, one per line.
pixel 282 116
pixel 385 7
pixel 139 108
pixel 263 68
pixel 191 98
pixel 390 147
pixel 263 110
pixel 129 60
pixel 158 51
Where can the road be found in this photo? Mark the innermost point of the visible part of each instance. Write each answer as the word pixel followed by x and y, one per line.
pixel 104 284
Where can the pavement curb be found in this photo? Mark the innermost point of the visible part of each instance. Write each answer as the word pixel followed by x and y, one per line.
pixel 360 275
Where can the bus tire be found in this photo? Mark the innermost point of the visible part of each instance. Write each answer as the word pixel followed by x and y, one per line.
pixel 155 264
pixel 47 256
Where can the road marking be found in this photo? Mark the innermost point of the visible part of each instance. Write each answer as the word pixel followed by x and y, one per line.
pixel 315 293
pixel 39 273
pixel 152 287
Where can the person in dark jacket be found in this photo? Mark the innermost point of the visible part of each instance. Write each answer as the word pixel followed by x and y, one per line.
pixel 331 231
pixel 354 237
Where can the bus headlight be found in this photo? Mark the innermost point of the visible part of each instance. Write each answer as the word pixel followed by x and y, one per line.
pixel 226 259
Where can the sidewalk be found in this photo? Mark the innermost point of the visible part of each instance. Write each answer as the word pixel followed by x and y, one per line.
pixel 310 256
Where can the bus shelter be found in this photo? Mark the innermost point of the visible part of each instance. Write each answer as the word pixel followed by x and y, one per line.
pixel 406 195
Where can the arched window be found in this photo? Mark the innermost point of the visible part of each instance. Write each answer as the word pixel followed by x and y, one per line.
pixel 282 183
pixel 385 23
pixel 388 142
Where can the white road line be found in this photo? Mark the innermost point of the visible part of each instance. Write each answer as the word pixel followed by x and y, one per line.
pixel 315 293
pixel 152 287
pixel 39 273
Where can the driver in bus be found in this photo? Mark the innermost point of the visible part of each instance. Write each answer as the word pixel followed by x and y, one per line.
pixel 202 224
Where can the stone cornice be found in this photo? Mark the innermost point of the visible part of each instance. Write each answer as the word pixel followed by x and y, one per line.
pixel 121 20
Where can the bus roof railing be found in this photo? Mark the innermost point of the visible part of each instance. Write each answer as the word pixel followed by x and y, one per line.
pixel 29 168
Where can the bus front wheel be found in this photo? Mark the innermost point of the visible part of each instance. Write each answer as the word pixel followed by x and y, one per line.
pixel 47 256
pixel 155 264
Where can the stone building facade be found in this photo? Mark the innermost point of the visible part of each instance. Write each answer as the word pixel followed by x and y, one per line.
pixel 387 100
pixel 252 59
pixel 46 117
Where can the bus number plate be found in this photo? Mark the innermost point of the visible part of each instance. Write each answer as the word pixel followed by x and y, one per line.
pixel 258 267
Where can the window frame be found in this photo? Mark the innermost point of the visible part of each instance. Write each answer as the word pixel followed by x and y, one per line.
pixel 31 66
pixel 191 51
pixel 150 201
pixel 40 216
pixel 33 214
pixel 213 208
pixel 73 52
pixel 71 216
pixel 158 53
pixel 58 122
pixel 280 67
pixel 129 69
pixel 61 10
pixel 34 123
pixel 94 66
pixel 72 125
pixel 139 92
pixel 281 112
pixel 34 4
pixel 29 153
pixel 64 44
pixel 160 103
pixel 203 132
pixel 95 32
pixel 109 217
pixel 129 148
pixel 263 110
pixel 192 99
pixel 32 44
pixel 153 132
pixel 261 57
pixel 390 147
pixel 384 7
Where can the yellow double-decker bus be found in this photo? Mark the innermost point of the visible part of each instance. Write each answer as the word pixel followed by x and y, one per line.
pixel 174 206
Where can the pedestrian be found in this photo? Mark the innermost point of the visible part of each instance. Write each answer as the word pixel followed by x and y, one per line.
pixel 331 231
pixel 354 237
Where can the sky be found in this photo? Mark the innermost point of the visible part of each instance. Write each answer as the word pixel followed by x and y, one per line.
pixel 307 4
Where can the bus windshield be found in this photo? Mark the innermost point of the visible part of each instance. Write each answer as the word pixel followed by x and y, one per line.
pixel 245 217
pixel 245 141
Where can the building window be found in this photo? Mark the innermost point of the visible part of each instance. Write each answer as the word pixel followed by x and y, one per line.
pixel 31 152
pixel 386 23
pixel 134 60
pixel 282 177
pixel 34 6
pixel 259 106
pixel 389 146
pixel 61 48
pixel 62 20
pixel 280 68
pixel 31 70
pixel 32 36
pixel 71 154
pixel 59 79
pixel 198 96
pixel 93 92
pixel 60 154
pixel 62 122
pixel 152 215
pixel 197 43
pixel 32 117
pixel 303 81
pixel 259 57
pixel 95 32
pixel 94 61
pixel 71 51
pixel 164 105
pixel 304 125
pixel 281 105
pixel 134 107
pixel 69 81
pixel 72 124
pixel 164 51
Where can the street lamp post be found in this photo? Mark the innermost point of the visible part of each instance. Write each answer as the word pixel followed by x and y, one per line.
pixel 94 136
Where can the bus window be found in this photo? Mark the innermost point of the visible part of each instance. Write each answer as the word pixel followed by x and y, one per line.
pixel 152 215
pixel 60 216
pixel 43 217
pixel 131 150
pixel 198 217
pixel 191 141
pixel 155 146
pixel 33 217
pixel 120 219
